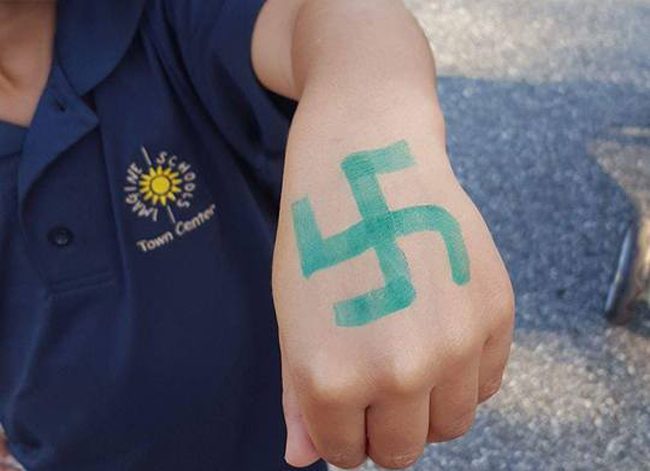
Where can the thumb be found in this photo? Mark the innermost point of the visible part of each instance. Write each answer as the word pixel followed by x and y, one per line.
pixel 300 450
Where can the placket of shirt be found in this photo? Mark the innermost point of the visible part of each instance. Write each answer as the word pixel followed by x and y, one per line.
pixel 55 246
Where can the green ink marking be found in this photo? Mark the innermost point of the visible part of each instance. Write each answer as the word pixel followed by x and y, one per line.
pixel 378 229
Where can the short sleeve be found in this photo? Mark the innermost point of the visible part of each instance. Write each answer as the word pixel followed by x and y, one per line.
pixel 214 38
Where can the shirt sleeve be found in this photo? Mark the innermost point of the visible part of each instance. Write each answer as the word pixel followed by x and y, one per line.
pixel 214 38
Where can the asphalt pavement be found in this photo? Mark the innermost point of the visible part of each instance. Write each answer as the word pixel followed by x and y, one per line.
pixel 548 111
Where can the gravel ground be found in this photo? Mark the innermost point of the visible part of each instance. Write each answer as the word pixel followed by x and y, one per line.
pixel 548 108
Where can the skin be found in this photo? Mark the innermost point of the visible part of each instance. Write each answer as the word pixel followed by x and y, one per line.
pixel 26 43
pixel 365 78
pixel 378 230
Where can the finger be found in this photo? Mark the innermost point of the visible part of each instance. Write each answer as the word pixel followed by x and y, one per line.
pixel 300 450
pixel 453 404
pixel 494 359
pixel 336 425
pixel 397 431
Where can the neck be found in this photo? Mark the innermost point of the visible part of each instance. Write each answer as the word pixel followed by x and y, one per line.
pixel 26 41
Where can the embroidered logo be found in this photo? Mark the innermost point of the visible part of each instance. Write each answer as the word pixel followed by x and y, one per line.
pixel 162 188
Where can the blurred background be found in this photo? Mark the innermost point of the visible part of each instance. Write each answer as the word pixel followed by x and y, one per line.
pixel 548 111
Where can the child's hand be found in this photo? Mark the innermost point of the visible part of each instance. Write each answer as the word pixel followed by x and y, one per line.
pixel 394 308
pixel 403 365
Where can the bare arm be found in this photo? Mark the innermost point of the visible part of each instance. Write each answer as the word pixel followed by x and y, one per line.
pixel 395 310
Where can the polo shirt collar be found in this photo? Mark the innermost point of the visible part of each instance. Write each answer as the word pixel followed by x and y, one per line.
pixel 92 36
pixel 11 138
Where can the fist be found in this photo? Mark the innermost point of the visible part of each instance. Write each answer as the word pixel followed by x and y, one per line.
pixel 394 307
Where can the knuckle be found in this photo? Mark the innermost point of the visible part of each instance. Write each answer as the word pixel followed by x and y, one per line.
pixel 330 389
pixel 402 383
pixel 406 377
pixel 506 312
pixel 462 348
pixel 502 302
pixel 489 388
pixel 454 429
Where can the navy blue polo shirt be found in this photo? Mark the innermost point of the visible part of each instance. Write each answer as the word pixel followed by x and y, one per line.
pixel 137 221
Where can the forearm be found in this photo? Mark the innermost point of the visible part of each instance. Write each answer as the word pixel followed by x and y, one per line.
pixel 369 66
pixel 362 65
pixel 365 77
pixel 386 282
pixel 364 46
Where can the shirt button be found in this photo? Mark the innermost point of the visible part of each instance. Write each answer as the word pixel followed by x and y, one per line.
pixel 60 236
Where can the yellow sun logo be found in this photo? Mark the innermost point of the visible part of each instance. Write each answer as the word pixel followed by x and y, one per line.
pixel 160 185
pixel 166 184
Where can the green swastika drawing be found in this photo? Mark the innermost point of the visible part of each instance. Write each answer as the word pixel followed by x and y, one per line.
pixel 378 229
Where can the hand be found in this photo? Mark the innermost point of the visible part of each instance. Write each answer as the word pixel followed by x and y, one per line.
pixel 394 309
pixel 385 384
